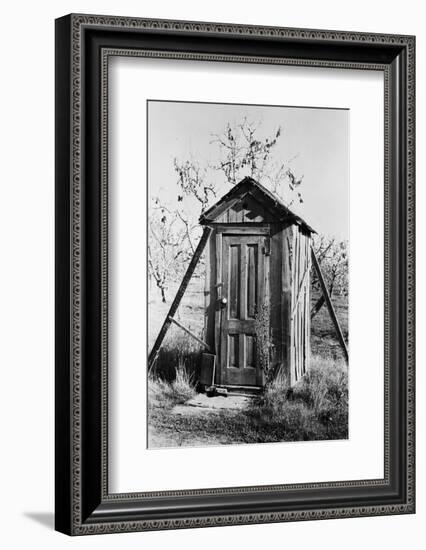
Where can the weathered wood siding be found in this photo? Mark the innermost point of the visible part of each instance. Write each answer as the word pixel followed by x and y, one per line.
pixel 245 210
pixel 300 304
pixel 280 302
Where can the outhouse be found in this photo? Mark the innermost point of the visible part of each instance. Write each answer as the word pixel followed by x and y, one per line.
pixel 257 289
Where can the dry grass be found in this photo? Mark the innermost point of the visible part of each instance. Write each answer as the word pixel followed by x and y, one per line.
pixel 162 393
pixel 316 408
pixel 177 349
pixel 324 342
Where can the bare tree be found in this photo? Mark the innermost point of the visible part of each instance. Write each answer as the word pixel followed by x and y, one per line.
pixel 240 152
pixel 284 183
pixel 192 182
pixel 243 153
pixel 166 246
pixel 332 256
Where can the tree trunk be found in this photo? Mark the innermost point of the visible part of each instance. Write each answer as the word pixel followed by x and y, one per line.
pixel 163 295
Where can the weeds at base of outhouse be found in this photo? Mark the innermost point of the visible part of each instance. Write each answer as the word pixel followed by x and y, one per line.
pixel 315 408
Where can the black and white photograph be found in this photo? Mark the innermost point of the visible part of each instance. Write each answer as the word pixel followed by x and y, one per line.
pixel 248 290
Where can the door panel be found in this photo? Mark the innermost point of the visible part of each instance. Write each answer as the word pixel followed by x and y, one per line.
pixel 243 286
pixel 252 283
pixel 250 350
pixel 234 281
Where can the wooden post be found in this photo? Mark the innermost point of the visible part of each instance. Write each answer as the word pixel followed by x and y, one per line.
pixel 330 306
pixel 179 295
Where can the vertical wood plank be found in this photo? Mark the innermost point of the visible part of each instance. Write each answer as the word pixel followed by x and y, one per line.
pixel 297 313
pixel 264 292
pixel 293 298
pixel 285 266
pixel 276 290
pixel 208 296
pixel 261 292
pixel 302 305
pixel 308 307
pixel 301 342
pixel 303 308
pixel 293 319
pixel 231 215
pixel 218 310
pixel 305 334
pixel 298 343
pixel 301 274
pixel 242 278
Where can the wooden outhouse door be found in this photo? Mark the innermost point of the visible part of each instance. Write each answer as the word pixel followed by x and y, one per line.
pixel 242 291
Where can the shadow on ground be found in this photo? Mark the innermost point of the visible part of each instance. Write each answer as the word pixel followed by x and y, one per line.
pixel 47 519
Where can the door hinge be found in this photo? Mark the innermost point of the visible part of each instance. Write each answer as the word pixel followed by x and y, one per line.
pixel 267 246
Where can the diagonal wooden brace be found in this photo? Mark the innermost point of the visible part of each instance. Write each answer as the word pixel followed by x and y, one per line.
pixel 179 295
pixel 330 306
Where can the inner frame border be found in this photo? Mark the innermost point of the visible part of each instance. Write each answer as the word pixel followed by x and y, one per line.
pixel 107 53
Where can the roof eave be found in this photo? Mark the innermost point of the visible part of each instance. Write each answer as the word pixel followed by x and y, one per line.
pixel 276 203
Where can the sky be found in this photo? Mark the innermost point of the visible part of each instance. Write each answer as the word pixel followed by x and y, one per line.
pixel 315 140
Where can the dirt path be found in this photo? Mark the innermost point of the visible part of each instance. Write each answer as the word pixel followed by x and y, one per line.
pixel 174 427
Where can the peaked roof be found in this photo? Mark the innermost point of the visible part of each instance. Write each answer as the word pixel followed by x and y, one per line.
pixel 247 185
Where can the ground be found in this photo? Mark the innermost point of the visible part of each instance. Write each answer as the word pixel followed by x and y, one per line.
pixel 178 416
pixel 199 408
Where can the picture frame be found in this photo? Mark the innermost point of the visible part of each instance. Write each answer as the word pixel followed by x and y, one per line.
pixel 84 44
